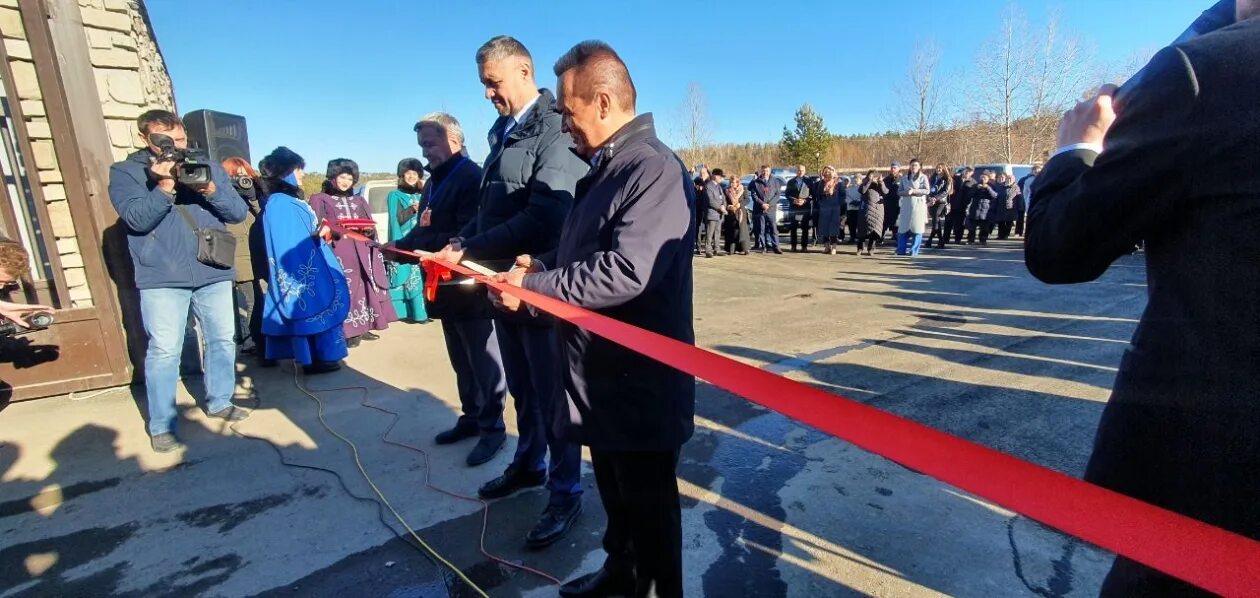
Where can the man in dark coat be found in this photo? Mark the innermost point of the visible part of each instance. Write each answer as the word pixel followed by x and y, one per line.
pixel 714 209
pixel 764 192
pixel 964 188
pixel 625 253
pixel 450 203
pixel 1180 430
pixel 800 209
pixel 526 193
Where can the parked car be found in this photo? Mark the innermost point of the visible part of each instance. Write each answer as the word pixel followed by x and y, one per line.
pixel 377 195
pixel 1019 170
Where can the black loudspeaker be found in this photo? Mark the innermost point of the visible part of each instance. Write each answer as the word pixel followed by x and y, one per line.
pixel 219 134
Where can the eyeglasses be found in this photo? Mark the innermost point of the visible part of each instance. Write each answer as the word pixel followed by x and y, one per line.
pixel 10 287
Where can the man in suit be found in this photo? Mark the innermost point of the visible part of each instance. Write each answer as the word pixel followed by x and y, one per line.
pixel 764 191
pixel 1178 173
pixel 526 192
pixel 450 203
pixel 714 209
pixel 800 209
pixel 625 253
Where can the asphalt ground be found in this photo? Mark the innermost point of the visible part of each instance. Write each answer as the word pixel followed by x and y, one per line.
pixel 963 340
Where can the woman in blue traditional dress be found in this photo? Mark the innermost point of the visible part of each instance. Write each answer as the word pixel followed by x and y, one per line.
pixel 406 281
pixel 307 295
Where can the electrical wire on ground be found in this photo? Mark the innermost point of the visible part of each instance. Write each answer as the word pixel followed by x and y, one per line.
pixel 412 538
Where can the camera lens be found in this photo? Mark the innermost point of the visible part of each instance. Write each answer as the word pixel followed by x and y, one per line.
pixel 42 320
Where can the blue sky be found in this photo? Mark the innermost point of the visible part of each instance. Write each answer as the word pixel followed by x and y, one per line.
pixel 349 79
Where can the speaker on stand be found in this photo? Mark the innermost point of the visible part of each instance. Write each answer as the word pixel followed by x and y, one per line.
pixel 218 134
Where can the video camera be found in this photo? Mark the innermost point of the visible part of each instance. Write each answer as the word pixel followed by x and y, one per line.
pixel 34 323
pixel 192 167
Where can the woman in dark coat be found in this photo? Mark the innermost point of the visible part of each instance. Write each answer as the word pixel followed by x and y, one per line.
pixel 736 222
pixel 370 304
pixel 830 201
pixel 938 203
pixel 1007 210
pixel 983 196
pixel 871 225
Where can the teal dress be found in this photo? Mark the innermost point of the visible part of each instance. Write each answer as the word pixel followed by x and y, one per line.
pixel 406 281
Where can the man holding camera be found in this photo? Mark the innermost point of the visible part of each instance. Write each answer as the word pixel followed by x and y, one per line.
pixel 176 212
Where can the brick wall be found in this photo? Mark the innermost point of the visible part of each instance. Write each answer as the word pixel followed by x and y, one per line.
pixel 130 77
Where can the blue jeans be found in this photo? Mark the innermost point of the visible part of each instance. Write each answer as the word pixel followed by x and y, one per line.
pixel 769 230
pixel 909 243
pixel 165 315
pixel 533 373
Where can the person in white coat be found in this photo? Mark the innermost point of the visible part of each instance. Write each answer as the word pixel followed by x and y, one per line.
pixel 912 221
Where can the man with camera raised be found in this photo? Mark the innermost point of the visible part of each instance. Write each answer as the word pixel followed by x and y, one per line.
pixel 176 210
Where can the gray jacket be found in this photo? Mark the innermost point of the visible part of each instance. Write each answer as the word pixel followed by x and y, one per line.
pixel 626 254
pixel 716 200
pixel 526 187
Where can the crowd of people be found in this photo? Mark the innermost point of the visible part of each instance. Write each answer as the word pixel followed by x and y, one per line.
pixel 831 210
pixel 578 200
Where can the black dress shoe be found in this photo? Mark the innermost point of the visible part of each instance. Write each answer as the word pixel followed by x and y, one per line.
pixel 599 584
pixel 486 448
pixel 370 336
pixel 353 342
pixel 511 482
pixel 556 521
pixel 455 434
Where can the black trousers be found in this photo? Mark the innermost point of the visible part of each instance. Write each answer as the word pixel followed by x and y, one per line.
pixel 939 229
pixel 851 221
pixel 1004 229
pixel 1019 223
pixel 644 535
pixel 955 223
pixel 800 224
pixel 985 228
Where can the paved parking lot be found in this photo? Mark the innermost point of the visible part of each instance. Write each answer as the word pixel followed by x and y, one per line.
pixel 963 340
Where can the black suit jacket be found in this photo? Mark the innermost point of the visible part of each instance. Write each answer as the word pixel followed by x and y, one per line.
pixel 1182 428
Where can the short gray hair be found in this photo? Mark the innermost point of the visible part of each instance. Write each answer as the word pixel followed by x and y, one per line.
pixel 598 67
pixel 500 47
pixel 444 123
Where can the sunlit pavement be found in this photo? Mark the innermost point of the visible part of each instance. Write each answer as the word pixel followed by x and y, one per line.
pixel 963 340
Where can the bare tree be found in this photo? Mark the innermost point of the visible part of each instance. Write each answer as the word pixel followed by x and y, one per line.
pixel 1002 72
pixel 693 121
pixel 1058 75
pixel 917 111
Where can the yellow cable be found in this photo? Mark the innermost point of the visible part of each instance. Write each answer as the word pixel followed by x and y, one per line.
pixel 355 452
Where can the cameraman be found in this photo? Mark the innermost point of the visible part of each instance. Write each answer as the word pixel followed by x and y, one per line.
pixel 161 213
pixel 14 264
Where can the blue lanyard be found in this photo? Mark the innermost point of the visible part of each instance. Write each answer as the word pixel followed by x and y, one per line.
pixel 435 194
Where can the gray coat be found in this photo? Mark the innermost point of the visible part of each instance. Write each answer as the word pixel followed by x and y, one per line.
pixel 626 254
pixel 716 200
pixel 526 187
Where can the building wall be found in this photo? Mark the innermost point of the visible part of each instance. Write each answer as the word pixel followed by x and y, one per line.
pixel 130 76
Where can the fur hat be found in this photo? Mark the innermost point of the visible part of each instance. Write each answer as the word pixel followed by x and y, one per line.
pixel 342 166
pixel 280 162
pixel 410 164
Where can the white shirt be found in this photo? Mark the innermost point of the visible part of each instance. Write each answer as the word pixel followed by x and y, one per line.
pixel 1097 148
pixel 516 118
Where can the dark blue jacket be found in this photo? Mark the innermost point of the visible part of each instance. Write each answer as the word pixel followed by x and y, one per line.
pixel 767 192
pixel 163 247
pixel 626 254
pixel 526 188
pixel 451 194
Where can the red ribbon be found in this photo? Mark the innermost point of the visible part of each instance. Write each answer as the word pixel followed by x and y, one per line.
pixel 1207 556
